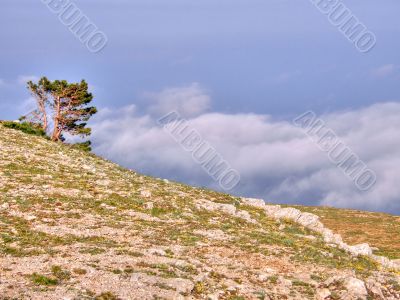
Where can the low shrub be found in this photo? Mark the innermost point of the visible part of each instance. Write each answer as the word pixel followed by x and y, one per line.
pixel 85 146
pixel 25 127
pixel 39 279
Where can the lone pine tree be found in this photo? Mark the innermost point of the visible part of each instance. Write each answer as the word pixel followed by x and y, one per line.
pixel 68 104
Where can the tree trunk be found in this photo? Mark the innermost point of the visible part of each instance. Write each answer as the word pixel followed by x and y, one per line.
pixel 42 108
pixel 57 114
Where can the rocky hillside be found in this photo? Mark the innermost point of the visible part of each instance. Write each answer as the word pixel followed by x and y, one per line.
pixel 75 226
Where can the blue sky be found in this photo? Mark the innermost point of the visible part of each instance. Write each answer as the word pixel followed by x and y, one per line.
pixel 272 58
pixel 276 57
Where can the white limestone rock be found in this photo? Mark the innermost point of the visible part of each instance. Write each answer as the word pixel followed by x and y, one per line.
pixel 322 294
pixel 145 194
pixel 355 286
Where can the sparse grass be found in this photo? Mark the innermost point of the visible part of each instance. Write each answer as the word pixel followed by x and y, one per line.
pixel 273 279
pixel 79 271
pixel 236 298
pixel 199 288
pixel 163 270
pixel 106 296
pixel 130 253
pixel 335 258
pixel 92 251
pixel 261 295
pixel 164 286
pixel 60 273
pixel 378 229
pixel 169 252
pixel 25 127
pixel 39 279
pixel 28 242
pixel 181 235
pixel 304 287
pixel 395 284
pixel 81 187
pixel 158 211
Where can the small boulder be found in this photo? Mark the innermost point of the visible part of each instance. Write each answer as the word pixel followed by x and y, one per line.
pixel 30 218
pixel 259 203
pixel 322 294
pixel 4 206
pixel 375 289
pixel 145 194
pixel 149 205
pixel 158 252
pixel 361 249
pixel 355 286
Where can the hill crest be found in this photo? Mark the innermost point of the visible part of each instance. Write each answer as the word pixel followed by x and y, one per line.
pixel 76 226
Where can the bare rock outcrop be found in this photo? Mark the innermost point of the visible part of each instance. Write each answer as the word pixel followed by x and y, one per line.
pixel 313 223
pixel 225 208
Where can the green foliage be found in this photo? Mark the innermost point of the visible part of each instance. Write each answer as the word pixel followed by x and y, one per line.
pixel 85 146
pixel 92 251
pixel 26 127
pixel 199 288
pixel 60 274
pixel 69 106
pixel 157 211
pixel 273 279
pixel 260 295
pixel 43 280
pixel 72 112
pixel 106 296
pixel 394 284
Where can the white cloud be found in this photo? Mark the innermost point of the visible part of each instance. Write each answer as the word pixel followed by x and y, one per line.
pixel 188 101
pixel 23 79
pixel 384 71
pixel 2 82
pixel 275 159
pixel 27 106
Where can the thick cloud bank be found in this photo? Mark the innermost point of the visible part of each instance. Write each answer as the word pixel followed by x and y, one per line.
pixel 276 159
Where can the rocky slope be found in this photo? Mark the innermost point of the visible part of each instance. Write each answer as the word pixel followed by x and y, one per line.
pixel 75 226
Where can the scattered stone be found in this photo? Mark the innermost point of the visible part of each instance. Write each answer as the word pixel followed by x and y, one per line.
pixel 312 222
pixel 142 216
pixel 374 288
pixel 4 206
pixel 263 277
pixel 323 294
pixel 145 194
pixel 155 251
pixel 182 286
pixel 122 252
pixel 225 208
pixel 30 218
pixel 149 205
pixel 213 296
pixel 245 216
pixel 308 237
pixel 259 203
pixel 109 207
pixel 361 249
pixel 355 286
pixel 213 234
